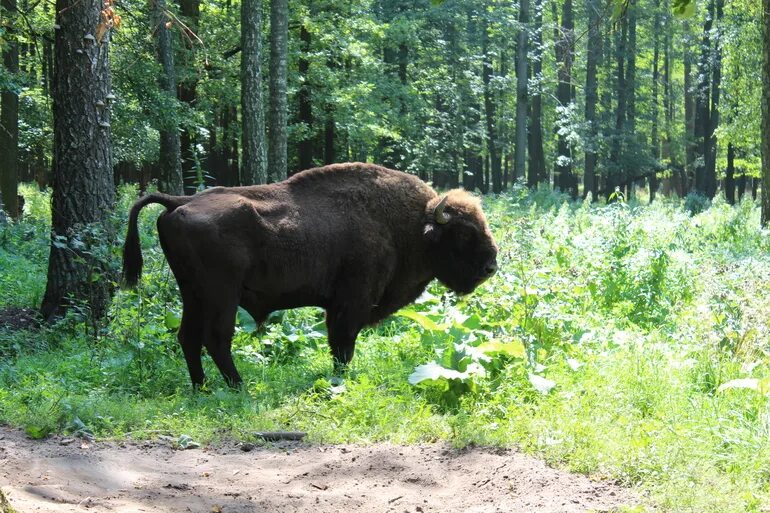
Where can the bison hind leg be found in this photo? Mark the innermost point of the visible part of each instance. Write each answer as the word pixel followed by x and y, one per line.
pixel 219 342
pixel 190 332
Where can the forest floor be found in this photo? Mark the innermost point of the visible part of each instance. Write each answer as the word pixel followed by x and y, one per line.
pixel 65 474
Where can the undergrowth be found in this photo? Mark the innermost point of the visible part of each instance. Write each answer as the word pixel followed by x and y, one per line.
pixel 621 341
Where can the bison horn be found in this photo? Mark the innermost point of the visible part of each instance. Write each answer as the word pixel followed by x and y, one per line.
pixel 439 215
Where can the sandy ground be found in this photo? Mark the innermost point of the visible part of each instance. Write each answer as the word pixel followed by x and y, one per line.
pixel 58 475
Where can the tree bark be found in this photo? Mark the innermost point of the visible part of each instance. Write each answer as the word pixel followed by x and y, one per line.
pixel 520 151
pixel 188 93
pixel 305 146
pixel 668 104
pixel 654 137
pixel 279 34
pixel 565 177
pixel 689 116
pixel 710 142
pixel 594 50
pixel 765 137
pixel 730 175
pixel 490 112
pixel 702 103
pixel 169 156
pixel 9 121
pixel 254 161
pixel 632 168
pixel 536 172
pixel 83 188
pixel 615 175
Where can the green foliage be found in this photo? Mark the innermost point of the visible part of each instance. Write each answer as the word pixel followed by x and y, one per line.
pixel 615 340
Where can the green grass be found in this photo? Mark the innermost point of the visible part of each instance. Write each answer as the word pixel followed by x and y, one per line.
pixel 633 316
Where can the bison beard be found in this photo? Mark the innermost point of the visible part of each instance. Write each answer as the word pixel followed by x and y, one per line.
pixel 358 240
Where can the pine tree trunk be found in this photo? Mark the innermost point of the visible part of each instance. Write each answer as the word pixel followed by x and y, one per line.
pixel 654 137
pixel 564 47
pixel 279 34
pixel 536 172
pixel 703 104
pixel 522 106
pixel 593 42
pixel 730 175
pixel 489 109
pixel 615 176
pixel 668 105
pixel 765 138
pixel 254 161
pixel 188 93
pixel 459 111
pixel 633 170
pixel 83 188
pixel 710 136
pixel 169 155
pixel 9 121
pixel 689 116
pixel 305 146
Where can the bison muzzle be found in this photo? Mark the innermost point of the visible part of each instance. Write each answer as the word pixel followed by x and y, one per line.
pixel 358 240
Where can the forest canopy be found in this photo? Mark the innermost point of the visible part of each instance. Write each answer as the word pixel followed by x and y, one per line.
pixel 613 93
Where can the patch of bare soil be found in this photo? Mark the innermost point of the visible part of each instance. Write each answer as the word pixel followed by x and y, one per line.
pixel 16 319
pixel 47 476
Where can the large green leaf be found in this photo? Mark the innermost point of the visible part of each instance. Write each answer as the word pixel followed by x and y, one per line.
pixel 424 321
pixel 760 385
pixel 541 384
pixel 434 372
pixel 172 321
pixel 514 348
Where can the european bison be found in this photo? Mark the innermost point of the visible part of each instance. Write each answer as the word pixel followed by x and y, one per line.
pixel 358 240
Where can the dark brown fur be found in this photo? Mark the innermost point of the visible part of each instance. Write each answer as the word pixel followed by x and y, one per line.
pixel 358 240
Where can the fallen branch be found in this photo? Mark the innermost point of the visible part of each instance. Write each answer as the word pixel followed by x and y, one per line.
pixel 273 436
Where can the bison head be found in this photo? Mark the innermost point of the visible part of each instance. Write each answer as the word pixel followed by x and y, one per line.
pixel 461 248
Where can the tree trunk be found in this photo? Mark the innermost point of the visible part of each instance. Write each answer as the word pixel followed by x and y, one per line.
pixel 765 138
pixel 655 140
pixel 615 175
pixel 689 116
pixel 668 104
pixel 730 175
pixel 489 110
pixel 9 121
pixel 594 50
pixel 710 142
pixel 254 161
pixel 458 141
pixel 187 93
pixel 564 47
pixel 536 171
pixel 633 169
pixel 279 34
pixel 169 156
pixel 305 146
pixel 703 103
pixel 520 151
pixel 83 188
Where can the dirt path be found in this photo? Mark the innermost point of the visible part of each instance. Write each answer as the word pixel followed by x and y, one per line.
pixel 133 477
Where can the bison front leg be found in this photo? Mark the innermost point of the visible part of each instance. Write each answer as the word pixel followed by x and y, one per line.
pixel 343 325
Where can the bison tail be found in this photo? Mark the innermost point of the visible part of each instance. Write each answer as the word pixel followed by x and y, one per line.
pixel 132 251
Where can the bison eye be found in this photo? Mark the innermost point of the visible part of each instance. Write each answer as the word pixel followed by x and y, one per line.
pixel 465 240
